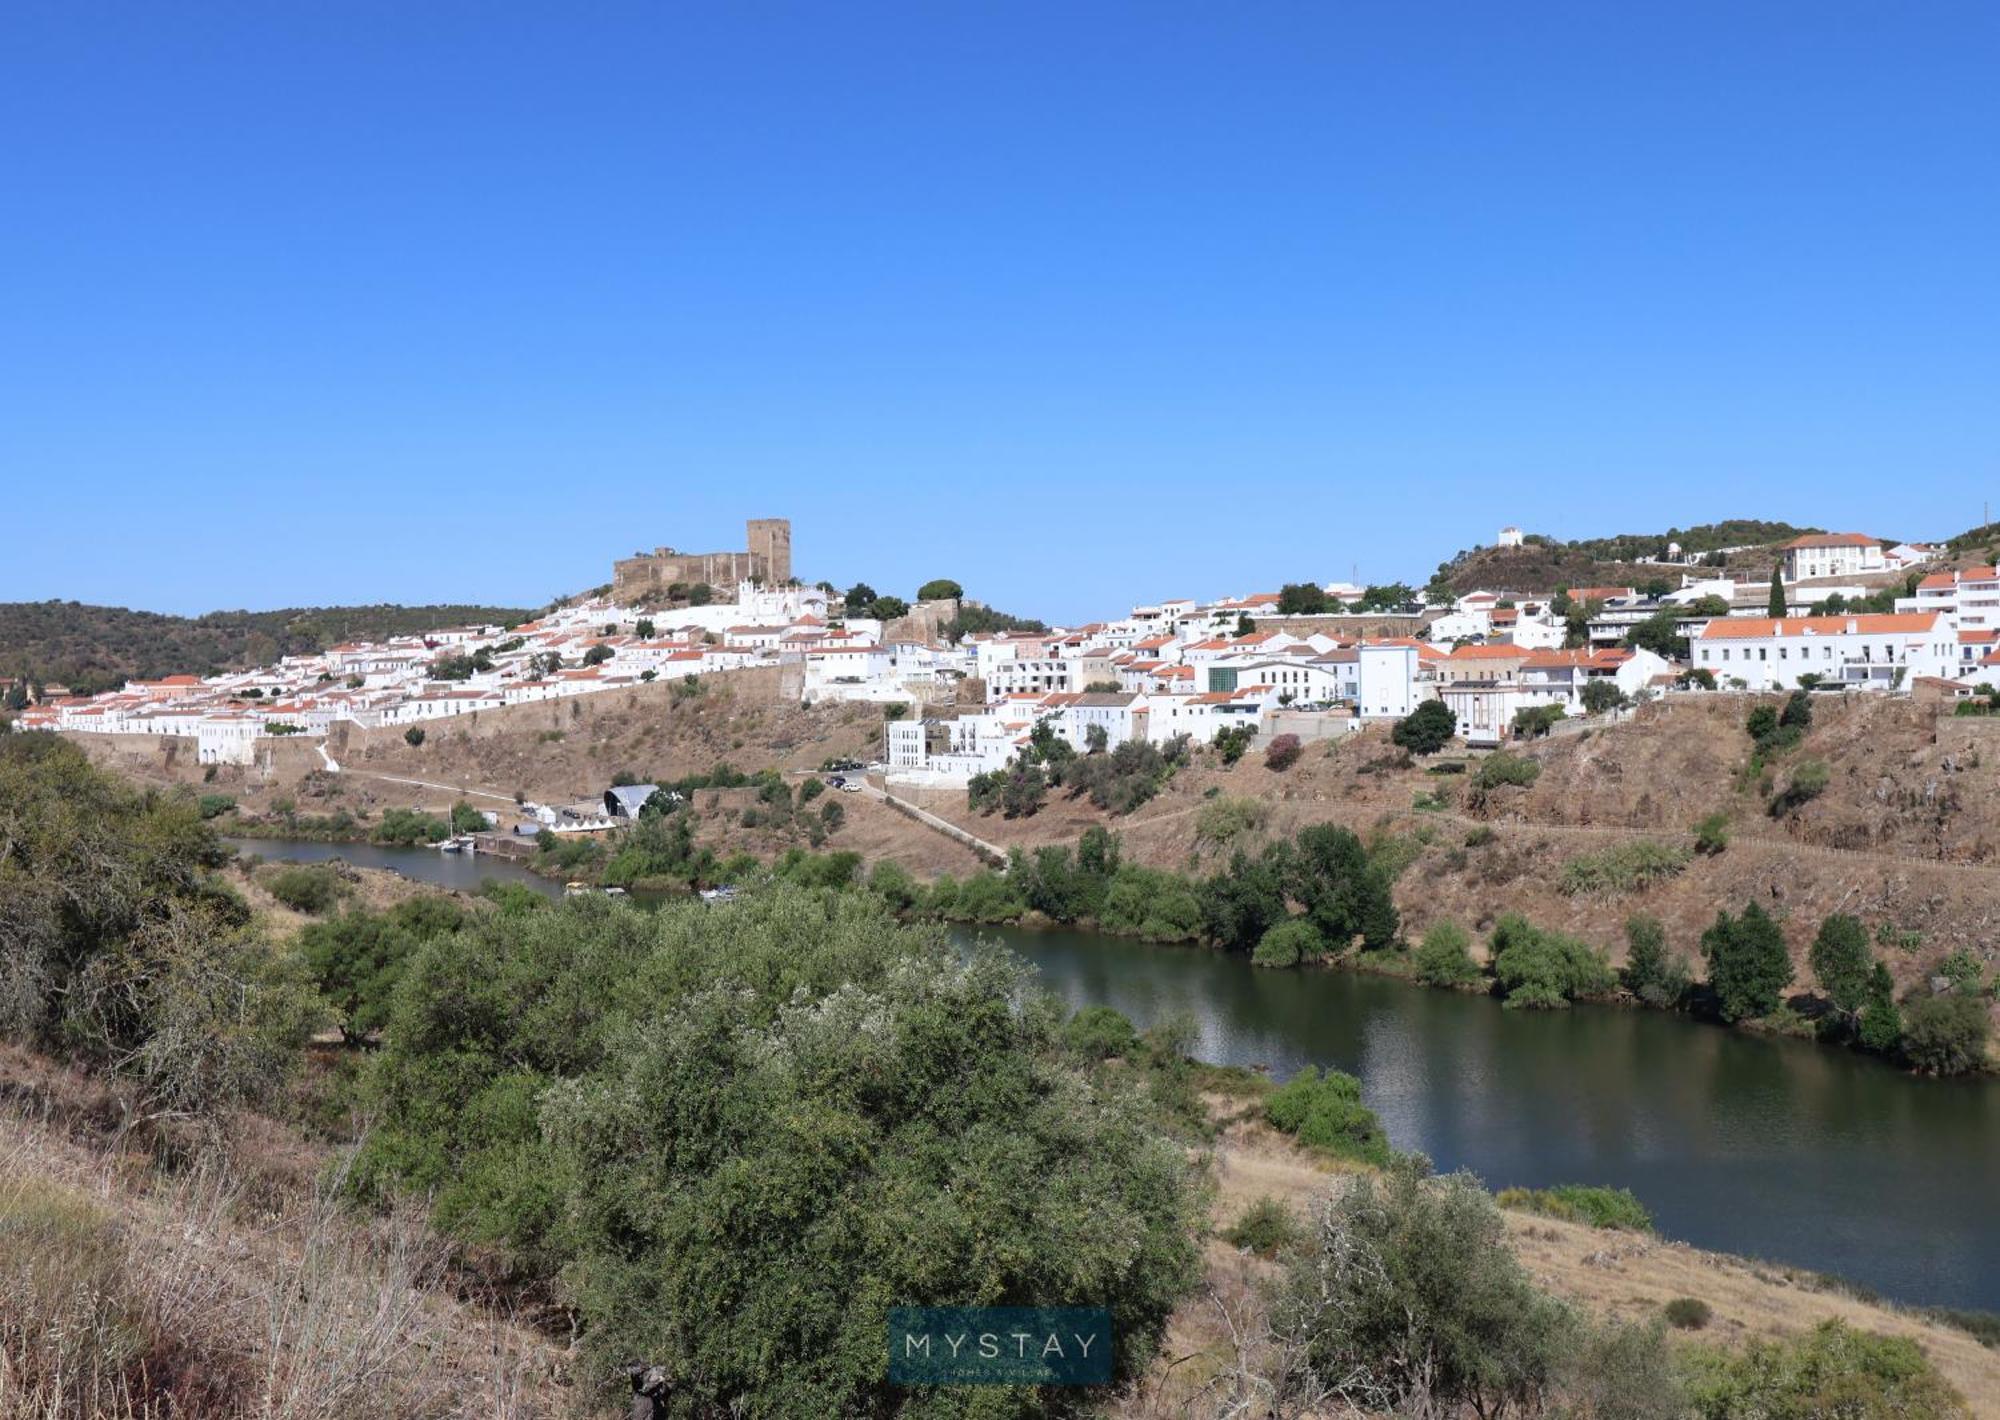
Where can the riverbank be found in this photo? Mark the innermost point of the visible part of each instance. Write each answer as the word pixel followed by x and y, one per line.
pixel 1609 1274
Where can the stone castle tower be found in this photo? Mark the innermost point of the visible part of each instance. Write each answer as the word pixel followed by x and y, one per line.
pixel 768 558
pixel 771 543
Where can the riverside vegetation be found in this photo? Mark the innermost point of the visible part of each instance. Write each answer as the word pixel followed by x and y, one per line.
pixel 726 1139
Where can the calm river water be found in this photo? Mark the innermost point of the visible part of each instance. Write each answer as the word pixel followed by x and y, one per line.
pixel 1771 1148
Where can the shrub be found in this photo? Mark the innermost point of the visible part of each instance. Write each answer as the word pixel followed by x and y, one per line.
pixel 1581 1203
pixel 1834 1370
pixel 310 888
pixel 1289 943
pixel 1325 1112
pixel 1533 722
pixel 1282 753
pixel 811 790
pixel 1688 1313
pixel 1807 783
pixel 1099 1033
pixel 1407 1300
pixel 1540 970
pixel 1427 729
pixel 1945 1035
pixel 1479 835
pixel 1266 1228
pixel 214 805
pixel 736 1113
pixel 467 819
pixel 1221 821
pixel 1501 769
pixel 1711 835
pixel 1625 867
pixel 1444 958
pixel 413 736
pixel 1232 740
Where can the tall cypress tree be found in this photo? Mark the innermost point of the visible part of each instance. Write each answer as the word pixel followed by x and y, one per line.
pixel 1777 592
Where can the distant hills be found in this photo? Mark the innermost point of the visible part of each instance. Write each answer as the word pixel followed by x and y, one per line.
pixel 1746 546
pixel 93 648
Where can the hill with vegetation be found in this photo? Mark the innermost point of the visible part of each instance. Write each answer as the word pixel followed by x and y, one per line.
pixel 1747 546
pixel 93 648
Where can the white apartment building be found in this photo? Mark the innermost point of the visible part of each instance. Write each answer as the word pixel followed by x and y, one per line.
pixel 1971 597
pixel 1832 555
pixel 1878 651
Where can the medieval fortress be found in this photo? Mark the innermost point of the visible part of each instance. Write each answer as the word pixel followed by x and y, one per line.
pixel 648 575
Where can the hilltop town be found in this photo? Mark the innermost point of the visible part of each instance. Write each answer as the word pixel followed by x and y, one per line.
pixel 1846 612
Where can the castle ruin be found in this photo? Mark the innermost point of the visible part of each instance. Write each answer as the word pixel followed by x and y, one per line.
pixel 768 559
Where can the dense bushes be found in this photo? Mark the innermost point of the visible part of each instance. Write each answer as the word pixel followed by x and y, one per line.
pixel 1581 1203
pixel 779 1117
pixel 1503 770
pixel 306 887
pixel 410 826
pixel 357 958
pixel 1291 942
pixel 1833 1370
pixel 1542 970
pixel 1326 1112
pixel 1945 1035
pixel 121 949
pixel 1444 958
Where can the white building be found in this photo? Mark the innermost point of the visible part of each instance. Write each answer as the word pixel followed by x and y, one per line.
pixel 1971 597
pixel 1832 555
pixel 1878 651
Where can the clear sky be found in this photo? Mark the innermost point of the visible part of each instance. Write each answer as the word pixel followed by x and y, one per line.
pixel 1079 303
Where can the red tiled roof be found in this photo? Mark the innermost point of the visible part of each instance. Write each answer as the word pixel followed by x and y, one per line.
pixel 1741 628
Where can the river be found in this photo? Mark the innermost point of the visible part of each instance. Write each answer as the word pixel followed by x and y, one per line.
pixel 1770 1148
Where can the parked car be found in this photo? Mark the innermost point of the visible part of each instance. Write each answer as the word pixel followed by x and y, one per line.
pixel 837 782
pixel 851 787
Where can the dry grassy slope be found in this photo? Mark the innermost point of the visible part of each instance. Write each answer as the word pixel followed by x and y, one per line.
pixel 1610 1274
pixel 1909 792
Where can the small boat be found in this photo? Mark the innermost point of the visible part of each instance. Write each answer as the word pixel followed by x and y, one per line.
pixel 462 843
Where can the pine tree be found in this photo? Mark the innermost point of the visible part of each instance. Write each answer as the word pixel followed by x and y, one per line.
pixel 1778 607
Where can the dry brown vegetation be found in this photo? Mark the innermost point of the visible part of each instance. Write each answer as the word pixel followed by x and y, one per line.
pixel 145 1275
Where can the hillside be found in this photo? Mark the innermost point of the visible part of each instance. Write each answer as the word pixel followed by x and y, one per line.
pixel 92 648
pixel 1541 564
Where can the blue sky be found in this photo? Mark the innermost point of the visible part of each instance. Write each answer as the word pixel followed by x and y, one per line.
pixel 1080 304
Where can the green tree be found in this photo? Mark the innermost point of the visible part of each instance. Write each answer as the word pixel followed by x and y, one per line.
pixel 597 655
pixel 1301 599
pixel 859 598
pixel 940 589
pixel 888 608
pixel 1243 902
pixel 1880 1028
pixel 1654 973
pixel 413 736
pixel 643 629
pixel 1342 892
pixel 1660 633
pixel 1601 695
pixel 1427 729
pixel 1843 965
pixel 1748 966
pixel 1326 1112
pixel 1779 605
